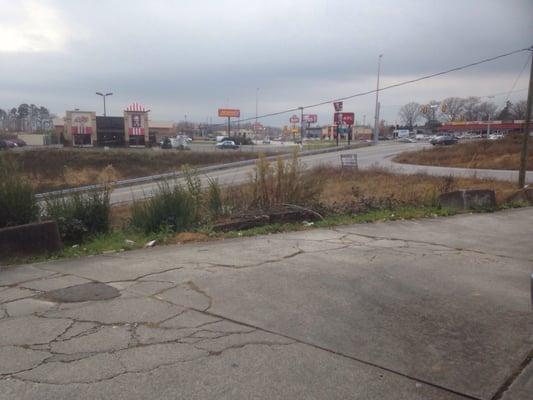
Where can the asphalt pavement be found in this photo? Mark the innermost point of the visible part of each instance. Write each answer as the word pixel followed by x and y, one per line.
pixel 429 309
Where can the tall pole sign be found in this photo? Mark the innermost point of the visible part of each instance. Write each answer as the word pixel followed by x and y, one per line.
pixel 229 113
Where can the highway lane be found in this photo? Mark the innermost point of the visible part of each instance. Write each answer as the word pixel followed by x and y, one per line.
pixel 379 156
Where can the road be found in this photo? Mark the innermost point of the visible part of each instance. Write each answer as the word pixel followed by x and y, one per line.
pixel 379 155
pixel 430 309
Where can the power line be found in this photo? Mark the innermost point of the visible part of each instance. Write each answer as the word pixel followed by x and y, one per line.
pixel 395 85
pixel 517 78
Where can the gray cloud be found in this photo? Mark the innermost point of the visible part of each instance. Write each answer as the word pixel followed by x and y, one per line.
pixel 188 57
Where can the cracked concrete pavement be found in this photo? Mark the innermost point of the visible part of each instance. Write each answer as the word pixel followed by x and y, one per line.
pixel 428 309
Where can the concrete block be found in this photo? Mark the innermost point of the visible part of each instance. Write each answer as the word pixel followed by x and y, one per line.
pixel 29 239
pixel 468 199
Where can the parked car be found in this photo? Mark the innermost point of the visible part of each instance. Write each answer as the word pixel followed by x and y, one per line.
pixel 266 140
pixel 227 144
pixel 3 145
pixel 444 140
pixel 10 143
pixel 495 136
pixel 18 142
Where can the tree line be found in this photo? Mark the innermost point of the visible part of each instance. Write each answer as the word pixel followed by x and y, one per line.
pixel 26 118
pixel 460 109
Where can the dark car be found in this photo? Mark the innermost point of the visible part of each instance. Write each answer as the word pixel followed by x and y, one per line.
pixel 444 140
pixel 18 142
pixel 3 145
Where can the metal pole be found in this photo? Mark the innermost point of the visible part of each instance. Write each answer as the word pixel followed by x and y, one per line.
pixel 104 105
pixel 229 132
pixel 256 107
pixel 525 142
pixel 376 114
pixel 301 124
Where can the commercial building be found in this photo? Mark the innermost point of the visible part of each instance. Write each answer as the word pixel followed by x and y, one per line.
pixel 134 128
pixel 482 127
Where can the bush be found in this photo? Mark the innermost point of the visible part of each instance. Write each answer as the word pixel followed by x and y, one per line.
pixel 171 208
pixel 270 186
pixel 80 215
pixel 17 198
pixel 214 198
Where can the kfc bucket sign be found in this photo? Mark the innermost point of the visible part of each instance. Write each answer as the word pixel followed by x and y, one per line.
pixel 342 118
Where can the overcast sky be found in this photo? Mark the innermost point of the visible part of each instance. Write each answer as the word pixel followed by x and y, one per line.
pixel 190 57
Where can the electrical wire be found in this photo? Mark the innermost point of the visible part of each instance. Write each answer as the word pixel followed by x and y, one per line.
pixel 395 85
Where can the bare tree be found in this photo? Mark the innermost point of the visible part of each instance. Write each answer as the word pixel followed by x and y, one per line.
pixel 430 111
pixel 486 110
pixel 410 113
pixel 518 109
pixel 470 108
pixel 452 108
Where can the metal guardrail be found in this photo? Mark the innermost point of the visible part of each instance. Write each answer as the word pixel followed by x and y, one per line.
pixel 180 174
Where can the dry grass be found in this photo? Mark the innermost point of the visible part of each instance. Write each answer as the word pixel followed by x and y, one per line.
pixel 358 191
pixel 49 169
pixel 491 154
pixel 332 190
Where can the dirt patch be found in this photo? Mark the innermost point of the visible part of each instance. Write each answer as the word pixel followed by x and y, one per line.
pixel 186 237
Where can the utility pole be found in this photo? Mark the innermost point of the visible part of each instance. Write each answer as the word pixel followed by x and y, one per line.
pixel 301 124
pixel 256 108
pixel 376 114
pixel 525 142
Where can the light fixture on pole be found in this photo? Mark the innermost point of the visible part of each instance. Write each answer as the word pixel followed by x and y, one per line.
pixel 376 114
pixel 104 96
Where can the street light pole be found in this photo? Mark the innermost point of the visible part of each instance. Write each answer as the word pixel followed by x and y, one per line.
pixel 376 113
pixel 103 97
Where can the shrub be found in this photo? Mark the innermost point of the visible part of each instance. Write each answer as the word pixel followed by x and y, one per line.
pixel 80 215
pixel 214 198
pixel 284 183
pixel 17 198
pixel 171 208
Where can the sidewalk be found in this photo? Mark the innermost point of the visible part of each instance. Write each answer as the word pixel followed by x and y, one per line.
pixel 429 309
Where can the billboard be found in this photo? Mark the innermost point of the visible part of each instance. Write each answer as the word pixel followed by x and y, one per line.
pixel 294 119
pixel 311 118
pixel 229 112
pixel 346 118
pixel 81 124
pixel 338 106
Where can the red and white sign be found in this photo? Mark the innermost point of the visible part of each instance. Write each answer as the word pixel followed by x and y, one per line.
pixel 294 119
pixel 81 124
pixel 311 118
pixel 258 126
pixel 338 106
pixel 344 118
pixel 229 112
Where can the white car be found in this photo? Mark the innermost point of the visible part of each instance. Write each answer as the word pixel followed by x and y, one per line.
pixel 495 136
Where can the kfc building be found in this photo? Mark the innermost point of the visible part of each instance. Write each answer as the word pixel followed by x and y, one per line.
pixel 84 128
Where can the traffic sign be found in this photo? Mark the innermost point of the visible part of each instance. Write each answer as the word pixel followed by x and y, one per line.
pixel 294 119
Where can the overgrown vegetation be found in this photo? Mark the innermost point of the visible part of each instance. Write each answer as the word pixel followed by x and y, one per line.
pixel 271 185
pixel 79 215
pixel 491 154
pixel 49 169
pixel 190 211
pixel 17 198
